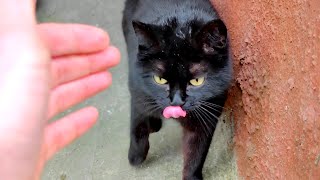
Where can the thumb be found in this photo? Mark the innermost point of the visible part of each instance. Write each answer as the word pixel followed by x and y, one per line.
pixel 24 85
pixel 24 64
pixel 24 67
pixel 17 15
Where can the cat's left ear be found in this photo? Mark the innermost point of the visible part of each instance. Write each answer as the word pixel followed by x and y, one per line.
pixel 212 37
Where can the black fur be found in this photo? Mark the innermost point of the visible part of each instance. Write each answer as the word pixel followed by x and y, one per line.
pixel 178 40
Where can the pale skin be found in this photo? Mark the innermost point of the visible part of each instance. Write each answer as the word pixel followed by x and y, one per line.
pixel 44 70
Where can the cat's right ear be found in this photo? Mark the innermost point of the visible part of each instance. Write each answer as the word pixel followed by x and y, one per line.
pixel 145 34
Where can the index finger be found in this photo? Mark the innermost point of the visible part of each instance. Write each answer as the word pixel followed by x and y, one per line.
pixel 72 39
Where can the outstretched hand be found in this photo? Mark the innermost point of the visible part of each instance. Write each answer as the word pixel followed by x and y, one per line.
pixel 44 70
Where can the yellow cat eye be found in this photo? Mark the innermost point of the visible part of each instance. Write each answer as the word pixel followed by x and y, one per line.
pixel 197 81
pixel 159 80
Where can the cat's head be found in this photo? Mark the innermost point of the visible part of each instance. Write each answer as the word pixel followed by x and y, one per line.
pixel 183 64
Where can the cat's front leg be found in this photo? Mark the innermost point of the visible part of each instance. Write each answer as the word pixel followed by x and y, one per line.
pixel 196 144
pixel 141 126
pixel 139 143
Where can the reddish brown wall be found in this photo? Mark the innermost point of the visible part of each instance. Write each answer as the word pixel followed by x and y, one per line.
pixel 276 97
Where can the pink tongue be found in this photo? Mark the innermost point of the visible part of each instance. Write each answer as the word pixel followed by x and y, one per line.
pixel 174 112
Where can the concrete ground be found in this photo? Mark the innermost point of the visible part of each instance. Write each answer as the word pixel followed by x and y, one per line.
pixel 102 153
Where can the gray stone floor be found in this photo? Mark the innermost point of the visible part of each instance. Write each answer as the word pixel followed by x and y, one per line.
pixel 102 153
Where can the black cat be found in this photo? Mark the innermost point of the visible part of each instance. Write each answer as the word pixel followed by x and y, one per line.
pixel 178 56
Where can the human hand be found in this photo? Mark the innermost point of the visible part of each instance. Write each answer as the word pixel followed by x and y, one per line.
pixel 80 56
pixel 39 81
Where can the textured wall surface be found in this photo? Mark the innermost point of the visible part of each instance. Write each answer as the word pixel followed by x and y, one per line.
pixel 276 94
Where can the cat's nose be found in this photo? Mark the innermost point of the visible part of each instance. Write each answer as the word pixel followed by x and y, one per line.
pixel 177 100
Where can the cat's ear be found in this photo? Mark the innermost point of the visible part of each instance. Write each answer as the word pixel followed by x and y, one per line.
pixel 212 37
pixel 145 34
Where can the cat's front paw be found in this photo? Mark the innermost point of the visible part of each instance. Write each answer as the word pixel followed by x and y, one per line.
pixel 137 156
pixel 136 159
pixel 193 177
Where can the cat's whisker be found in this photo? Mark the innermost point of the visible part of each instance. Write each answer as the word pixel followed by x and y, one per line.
pixel 203 123
pixel 213 105
pixel 203 113
pixel 217 118
pixel 154 109
pixel 144 98
pixel 150 109
pixel 208 122
pixel 145 101
pixel 210 107
pixel 213 108
pixel 204 127
pixel 149 103
pixel 209 118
